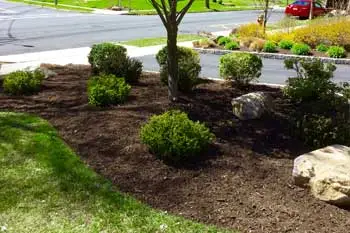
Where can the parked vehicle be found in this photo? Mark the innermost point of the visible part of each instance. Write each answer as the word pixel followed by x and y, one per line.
pixel 302 9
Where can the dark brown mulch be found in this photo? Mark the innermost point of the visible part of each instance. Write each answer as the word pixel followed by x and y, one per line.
pixel 245 183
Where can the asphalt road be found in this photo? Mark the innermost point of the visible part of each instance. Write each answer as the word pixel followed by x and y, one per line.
pixel 273 71
pixel 26 28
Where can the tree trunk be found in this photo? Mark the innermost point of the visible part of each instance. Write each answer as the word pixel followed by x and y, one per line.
pixel 311 10
pixel 207 4
pixel 266 12
pixel 172 63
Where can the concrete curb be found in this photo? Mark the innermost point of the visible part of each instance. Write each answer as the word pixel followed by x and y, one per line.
pixel 338 61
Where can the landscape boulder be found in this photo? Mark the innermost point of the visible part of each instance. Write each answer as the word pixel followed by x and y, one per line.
pixel 252 105
pixel 327 172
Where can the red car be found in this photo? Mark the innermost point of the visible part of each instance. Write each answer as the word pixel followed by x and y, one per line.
pixel 302 9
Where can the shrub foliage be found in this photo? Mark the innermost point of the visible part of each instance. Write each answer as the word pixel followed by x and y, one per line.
pixel 23 82
pixel 240 67
pixel 108 58
pixel 173 137
pixel 321 115
pixel 189 68
pixel 107 90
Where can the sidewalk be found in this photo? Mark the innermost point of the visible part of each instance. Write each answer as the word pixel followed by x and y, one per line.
pixel 67 56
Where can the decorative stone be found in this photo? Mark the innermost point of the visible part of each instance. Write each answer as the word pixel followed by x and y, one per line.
pixel 327 172
pixel 252 105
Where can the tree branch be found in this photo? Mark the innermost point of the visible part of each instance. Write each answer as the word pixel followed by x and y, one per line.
pixel 166 12
pixel 158 7
pixel 182 13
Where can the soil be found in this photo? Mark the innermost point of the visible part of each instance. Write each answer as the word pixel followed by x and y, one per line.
pixel 244 183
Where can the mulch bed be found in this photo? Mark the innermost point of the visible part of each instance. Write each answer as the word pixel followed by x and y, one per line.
pixel 244 183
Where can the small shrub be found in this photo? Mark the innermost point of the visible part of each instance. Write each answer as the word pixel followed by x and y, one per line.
pixel 133 70
pixel 173 137
pixel 321 115
pixel 233 45
pixel 108 58
pixel 107 90
pixel 301 49
pixel 240 67
pixel 313 81
pixel 224 40
pixel 319 131
pixel 251 30
pixel 23 82
pixel 189 68
pixel 322 48
pixel 270 47
pixel 336 52
pixel 257 45
pixel 286 44
pixel 220 2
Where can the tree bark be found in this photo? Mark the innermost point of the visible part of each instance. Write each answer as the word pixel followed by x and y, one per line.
pixel 207 4
pixel 266 12
pixel 311 15
pixel 173 65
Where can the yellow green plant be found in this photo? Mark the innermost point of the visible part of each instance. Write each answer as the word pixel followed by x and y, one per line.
pixel 251 30
pixel 334 32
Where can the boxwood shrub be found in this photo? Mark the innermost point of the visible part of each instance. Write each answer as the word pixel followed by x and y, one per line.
pixel 241 68
pixel 23 82
pixel 175 138
pixel 189 67
pixel 108 58
pixel 286 44
pixel 224 40
pixel 107 90
pixel 301 49
pixel 270 47
pixel 233 45
pixel 322 48
pixel 336 52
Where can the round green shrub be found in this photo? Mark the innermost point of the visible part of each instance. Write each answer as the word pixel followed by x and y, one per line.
pixel 301 49
pixel 224 40
pixel 322 48
pixel 240 67
pixel 108 58
pixel 106 90
pixel 23 82
pixel 189 67
pixel 336 52
pixel 286 44
pixel 270 47
pixel 233 45
pixel 173 137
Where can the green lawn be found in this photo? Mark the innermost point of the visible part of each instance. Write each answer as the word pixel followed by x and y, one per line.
pixel 144 5
pixel 160 40
pixel 44 187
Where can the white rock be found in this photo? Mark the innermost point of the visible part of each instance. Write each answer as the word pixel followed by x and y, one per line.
pixel 252 105
pixel 327 172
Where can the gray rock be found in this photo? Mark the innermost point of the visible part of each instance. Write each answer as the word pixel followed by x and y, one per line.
pixel 252 105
